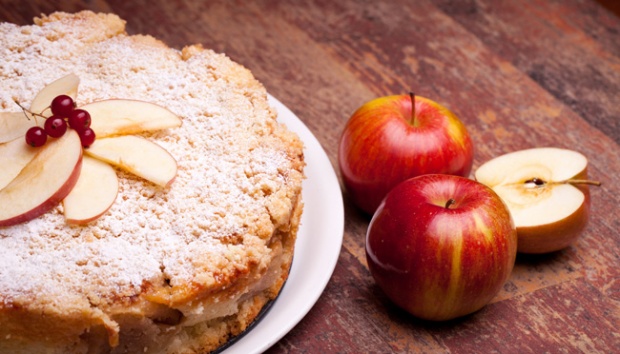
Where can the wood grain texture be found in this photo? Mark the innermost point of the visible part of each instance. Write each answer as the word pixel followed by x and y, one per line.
pixel 520 74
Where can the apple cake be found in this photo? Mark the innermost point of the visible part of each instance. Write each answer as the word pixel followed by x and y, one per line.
pixel 181 266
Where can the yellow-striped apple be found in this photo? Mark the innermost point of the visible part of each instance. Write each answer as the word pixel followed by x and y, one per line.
pixel 546 190
pixel 393 138
pixel 441 246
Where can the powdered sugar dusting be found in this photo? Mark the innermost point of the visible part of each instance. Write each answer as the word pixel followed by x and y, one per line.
pixel 229 165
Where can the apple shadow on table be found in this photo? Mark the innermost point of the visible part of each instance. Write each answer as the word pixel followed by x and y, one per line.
pixel 350 207
pixel 405 319
pixel 539 259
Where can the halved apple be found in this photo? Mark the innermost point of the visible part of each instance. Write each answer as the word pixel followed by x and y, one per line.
pixel 43 182
pixel 546 190
pixel 14 156
pixel 14 125
pixel 66 85
pixel 93 194
pixel 138 156
pixel 124 117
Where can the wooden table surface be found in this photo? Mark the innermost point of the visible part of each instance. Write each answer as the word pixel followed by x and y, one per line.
pixel 520 74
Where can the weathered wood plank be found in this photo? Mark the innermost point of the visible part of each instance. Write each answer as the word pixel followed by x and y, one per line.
pixel 568 58
pixel 570 317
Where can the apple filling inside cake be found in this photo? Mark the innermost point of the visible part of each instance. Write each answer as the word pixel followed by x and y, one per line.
pixel 174 267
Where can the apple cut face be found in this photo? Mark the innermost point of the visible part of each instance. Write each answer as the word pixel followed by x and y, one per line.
pixel 123 117
pixel 66 85
pixel 93 194
pixel 540 188
pixel 136 155
pixel 43 182
pixel 14 156
pixel 14 125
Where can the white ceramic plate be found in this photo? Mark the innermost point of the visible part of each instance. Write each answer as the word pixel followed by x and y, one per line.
pixel 318 245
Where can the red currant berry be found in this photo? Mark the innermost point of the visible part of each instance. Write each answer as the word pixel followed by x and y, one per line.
pixel 62 105
pixel 36 137
pixel 79 119
pixel 87 137
pixel 55 126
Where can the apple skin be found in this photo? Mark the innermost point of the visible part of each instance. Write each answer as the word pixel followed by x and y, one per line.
pixel 441 263
pixel 380 147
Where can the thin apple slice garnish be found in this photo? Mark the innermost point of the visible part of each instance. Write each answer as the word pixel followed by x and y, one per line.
pixel 93 194
pixel 43 182
pixel 14 125
pixel 66 85
pixel 136 155
pixel 546 192
pixel 14 156
pixel 123 117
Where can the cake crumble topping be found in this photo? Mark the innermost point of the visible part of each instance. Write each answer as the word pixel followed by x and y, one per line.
pixel 151 234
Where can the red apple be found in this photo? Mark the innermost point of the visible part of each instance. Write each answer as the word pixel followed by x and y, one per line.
pixel 387 141
pixel 441 246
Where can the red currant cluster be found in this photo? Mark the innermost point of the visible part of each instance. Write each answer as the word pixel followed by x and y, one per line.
pixel 64 115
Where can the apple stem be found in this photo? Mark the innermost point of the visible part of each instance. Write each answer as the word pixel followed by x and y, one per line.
pixel 449 203
pixel 412 95
pixel 539 182
pixel 582 181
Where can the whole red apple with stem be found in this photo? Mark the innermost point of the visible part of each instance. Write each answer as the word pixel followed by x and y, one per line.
pixel 441 246
pixel 393 138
